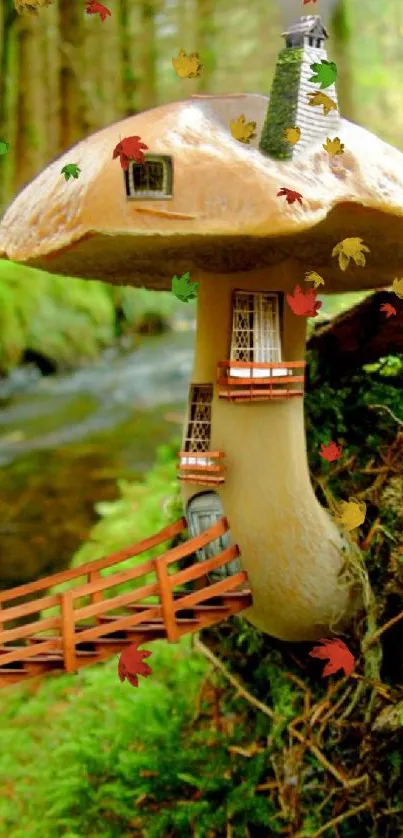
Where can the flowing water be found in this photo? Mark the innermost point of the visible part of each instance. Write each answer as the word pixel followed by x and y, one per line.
pixel 66 439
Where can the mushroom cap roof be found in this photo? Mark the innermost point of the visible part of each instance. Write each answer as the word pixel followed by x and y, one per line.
pixel 224 215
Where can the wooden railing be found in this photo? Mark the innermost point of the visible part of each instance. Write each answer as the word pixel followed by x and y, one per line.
pixel 252 387
pixel 202 467
pixel 68 628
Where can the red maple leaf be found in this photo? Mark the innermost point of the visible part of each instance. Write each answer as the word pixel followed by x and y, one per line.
pixel 130 148
pixel 96 8
pixel 290 195
pixel 308 1
pixel 337 653
pixel 388 309
pixel 304 303
pixel 330 452
pixel 131 664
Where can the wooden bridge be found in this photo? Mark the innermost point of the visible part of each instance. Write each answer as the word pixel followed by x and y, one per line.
pixel 89 621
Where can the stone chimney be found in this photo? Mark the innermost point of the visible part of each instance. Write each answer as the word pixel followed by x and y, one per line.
pixel 289 103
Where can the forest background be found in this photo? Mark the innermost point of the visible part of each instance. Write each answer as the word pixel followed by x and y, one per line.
pixel 186 754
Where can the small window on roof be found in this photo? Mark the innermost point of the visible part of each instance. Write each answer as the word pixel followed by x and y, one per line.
pixel 151 179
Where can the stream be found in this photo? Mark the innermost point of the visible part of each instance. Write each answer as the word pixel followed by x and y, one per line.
pixel 66 439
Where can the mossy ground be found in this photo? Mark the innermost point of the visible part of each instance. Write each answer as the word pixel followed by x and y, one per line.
pixel 278 751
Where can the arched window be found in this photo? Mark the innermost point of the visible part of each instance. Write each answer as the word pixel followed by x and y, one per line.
pixel 204 510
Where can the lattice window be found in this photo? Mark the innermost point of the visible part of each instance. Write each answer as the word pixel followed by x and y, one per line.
pixel 256 328
pixel 151 179
pixel 199 424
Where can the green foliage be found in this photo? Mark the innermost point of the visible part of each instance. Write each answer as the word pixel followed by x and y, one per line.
pixel 283 103
pixel 66 320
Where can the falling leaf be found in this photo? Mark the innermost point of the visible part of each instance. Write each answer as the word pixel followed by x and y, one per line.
pixel 388 309
pixel 351 514
pixel 130 148
pixel 95 8
pixel 337 653
pixel 351 248
pixel 304 303
pixel 331 451
pixel 187 66
pixel 183 288
pixel 312 276
pixel 131 664
pixel 70 170
pixel 292 135
pixel 324 73
pixel 334 146
pixel 397 287
pixel 317 99
pixel 241 130
pixel 4 147
pixel 290 195
pixel 305 3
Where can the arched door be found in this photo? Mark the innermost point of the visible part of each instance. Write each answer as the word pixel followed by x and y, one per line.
pixel 202 512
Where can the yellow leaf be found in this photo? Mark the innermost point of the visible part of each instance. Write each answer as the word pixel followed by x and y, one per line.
pixel 187 66
pixel 333 146
pixel 351 248
pixel 292 135
pixel 31 5
pixel 317 98
pixel 312 276
pixel 351 514
pixel 397 287
pixel 241 130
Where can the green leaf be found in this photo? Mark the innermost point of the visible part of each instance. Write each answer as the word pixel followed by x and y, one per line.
pixel 4 147
pixel 70 170
pixel 183 288
pixel 324 73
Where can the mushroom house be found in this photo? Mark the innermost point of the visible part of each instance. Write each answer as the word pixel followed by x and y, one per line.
pixel 248 219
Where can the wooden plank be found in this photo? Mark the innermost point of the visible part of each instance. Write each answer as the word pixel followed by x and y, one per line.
pixel 40 604
pixel 255 395
pixel 167 604
pixel 211 454
pixel 201 469
pixel 116 602
pixel 115 579
pixel 98 564
pixel 189 547
pixel 24 652
pixel 202 481
pixel 122 624
pixel 264 382
pixel 68 631
pixel 215 589
pixel 261 365
pixel 24 631
pixel 206 566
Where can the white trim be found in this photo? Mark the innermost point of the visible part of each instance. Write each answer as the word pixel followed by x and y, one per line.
pixel 196 461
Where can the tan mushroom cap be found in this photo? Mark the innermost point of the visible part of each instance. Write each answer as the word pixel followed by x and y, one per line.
pixel 224 216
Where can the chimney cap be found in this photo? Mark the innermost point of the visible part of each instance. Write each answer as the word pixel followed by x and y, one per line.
pixel 305 25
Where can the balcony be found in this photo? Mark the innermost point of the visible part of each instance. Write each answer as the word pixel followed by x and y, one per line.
pixel 202 467
pixel 244 381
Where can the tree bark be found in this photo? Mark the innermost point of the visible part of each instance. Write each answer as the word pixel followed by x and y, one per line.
pixel 7 100
pixel 361 335
pixel 340 51
pixel 31 107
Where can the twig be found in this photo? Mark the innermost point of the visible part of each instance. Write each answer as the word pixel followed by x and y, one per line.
pixel 336 821
pixel 388 410
pixel 321 758
pixel 232 680
pixel 371 640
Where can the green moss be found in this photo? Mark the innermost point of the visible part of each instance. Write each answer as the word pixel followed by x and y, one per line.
pixel 283 104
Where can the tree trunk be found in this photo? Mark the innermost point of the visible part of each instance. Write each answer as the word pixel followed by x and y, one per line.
pixel 7 100
pixel 361 335
pixel 205 40
pixel 31 109
pixel 340 51
pixel 149 89
pixel 71 124
pixel 127 64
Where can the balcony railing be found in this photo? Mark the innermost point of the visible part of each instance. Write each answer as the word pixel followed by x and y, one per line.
pixel 245 381
pixel 202 467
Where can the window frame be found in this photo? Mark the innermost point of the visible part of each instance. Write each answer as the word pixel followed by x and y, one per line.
pixel 166 194
pixel 196 456
pixel 277 347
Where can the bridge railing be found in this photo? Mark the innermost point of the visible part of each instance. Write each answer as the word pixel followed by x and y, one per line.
pixel 66 632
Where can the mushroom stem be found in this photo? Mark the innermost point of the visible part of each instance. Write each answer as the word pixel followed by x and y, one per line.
pixel 290 546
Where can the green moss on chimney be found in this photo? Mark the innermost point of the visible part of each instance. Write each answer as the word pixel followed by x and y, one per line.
pixel 283 103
